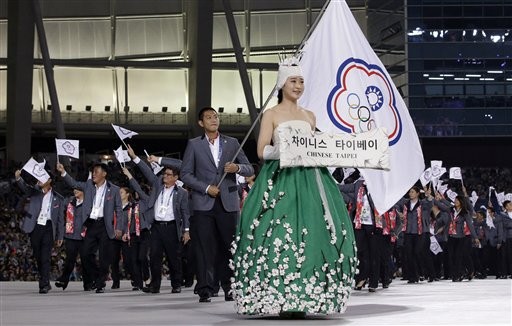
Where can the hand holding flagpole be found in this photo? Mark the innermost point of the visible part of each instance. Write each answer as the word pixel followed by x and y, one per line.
pixel 249 132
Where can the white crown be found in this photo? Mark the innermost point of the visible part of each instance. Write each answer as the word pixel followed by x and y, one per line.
pixel 288 67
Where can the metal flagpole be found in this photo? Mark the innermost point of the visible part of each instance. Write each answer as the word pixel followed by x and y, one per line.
pixel 301 45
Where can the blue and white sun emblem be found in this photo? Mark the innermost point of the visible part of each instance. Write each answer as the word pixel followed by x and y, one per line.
pixel 375 98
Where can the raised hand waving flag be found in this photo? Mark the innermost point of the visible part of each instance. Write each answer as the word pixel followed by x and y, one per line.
pixel 67 147
pixel 37 170
pixel 350 91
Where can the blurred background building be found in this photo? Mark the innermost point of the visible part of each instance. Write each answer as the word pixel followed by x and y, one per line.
pixel 149 65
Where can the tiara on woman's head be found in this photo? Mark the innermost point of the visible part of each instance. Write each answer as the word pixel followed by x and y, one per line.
pixel 288 67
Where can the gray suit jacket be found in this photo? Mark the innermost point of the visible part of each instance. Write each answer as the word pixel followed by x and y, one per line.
pixel 111 204
pixel 179 200
pixel 34 208
pixel 144 209
pixel 199 171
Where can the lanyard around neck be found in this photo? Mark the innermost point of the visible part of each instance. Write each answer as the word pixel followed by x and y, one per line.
pixel 168 199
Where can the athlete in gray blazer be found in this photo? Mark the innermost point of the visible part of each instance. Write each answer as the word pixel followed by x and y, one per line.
pixel 216 207
pixel 168 216
pixel 101 205
pixel 44 223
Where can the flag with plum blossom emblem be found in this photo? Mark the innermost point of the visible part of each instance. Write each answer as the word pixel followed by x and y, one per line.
pixel 67 147
pixel 350 91
pixel 37 170
pixel 123 132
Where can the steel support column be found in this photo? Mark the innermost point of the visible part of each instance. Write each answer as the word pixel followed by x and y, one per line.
pixel 242 66
pixel 200 43
pixel 20 66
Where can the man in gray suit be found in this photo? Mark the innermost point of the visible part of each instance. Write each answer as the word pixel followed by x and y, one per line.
pixel 43 222
pixel 168 217
pixel 102 210
pixel 216 207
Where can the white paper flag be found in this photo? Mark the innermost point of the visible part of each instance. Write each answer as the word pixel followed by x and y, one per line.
pixel 37 170
pixel 473 198
pixel 122 155
pixel 67 147
pixel 436 169
pixel 508 197
pixel 500 197
pixel 434 245
pixel 441 188
pixel 425 177
pixel 455 173
pixel 451 194
pixel 123 132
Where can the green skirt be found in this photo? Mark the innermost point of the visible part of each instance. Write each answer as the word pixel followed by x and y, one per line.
pixel 295 249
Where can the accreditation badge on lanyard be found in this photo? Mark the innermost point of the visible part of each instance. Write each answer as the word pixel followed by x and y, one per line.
pixel 95 213
pixel 45 215
pixel 162 210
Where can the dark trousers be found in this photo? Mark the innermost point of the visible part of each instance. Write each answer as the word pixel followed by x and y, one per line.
pixel 505 258
pixel 478 258
pixel 490 258
pixel 41 239
pixel 164 238
pixel 120 251
pixel 380 259
pixel 386 265
pixel 96 239
pixel 459 250
pixel 366 253
pixel 418 258
pixel 73 249
pixel 139 246
pixel 441 261
pixel 188 256
pixel 215 230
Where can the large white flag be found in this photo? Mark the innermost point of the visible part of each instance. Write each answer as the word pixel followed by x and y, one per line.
pixel 349 90
pixel 37 170
pixel 67 147
pixel 123 132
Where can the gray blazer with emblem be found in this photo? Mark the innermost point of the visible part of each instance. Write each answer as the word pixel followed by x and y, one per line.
pixel 179 200
pixel 34 208
pixel 111 204
pixel 199 171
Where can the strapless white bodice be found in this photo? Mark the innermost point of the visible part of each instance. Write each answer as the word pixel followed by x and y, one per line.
pixel 302 125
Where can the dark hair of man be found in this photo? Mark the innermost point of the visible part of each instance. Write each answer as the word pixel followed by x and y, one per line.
pixel 102 166
pixel 416 188
pixel 175 171
pixel 505 203
pixel 203 110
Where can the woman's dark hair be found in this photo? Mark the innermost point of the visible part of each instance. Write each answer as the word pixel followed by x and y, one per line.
pixel 417 189
pixel 463 205
pixel 129 192
pixel 280 96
